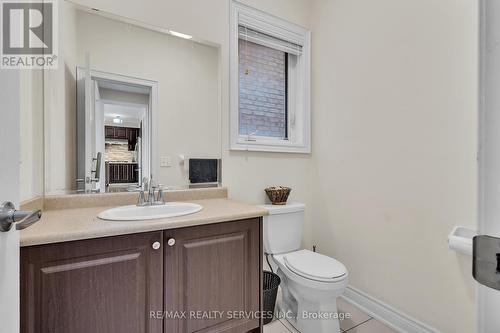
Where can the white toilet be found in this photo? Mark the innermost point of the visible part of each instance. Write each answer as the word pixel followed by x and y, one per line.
pixel 310 282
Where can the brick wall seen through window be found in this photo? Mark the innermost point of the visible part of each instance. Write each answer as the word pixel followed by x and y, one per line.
pixel 262 90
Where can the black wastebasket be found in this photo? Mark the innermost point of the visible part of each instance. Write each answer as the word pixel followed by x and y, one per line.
pixel 271 283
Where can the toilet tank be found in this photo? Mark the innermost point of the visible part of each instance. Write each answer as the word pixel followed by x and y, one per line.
pixel 282 228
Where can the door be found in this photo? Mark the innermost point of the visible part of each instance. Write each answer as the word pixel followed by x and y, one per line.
pixel 488 300
pixel 103 285
pixel 84 120
pixel 211 273
pixel 99 139
pixel 9 191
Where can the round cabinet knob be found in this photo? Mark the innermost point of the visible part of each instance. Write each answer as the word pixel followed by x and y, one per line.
pixel 171 242
pixel 156 245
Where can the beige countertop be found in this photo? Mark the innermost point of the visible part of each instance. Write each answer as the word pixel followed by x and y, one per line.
pixel 62 225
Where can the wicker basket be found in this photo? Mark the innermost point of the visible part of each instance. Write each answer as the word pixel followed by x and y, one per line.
pixel 278 194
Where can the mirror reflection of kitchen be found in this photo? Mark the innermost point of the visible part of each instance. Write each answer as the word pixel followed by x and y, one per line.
pixel 120 109
pixel 124 114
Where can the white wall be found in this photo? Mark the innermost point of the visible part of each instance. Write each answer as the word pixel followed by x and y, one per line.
pixel 394 139
pixel 31 129
pixel 60 109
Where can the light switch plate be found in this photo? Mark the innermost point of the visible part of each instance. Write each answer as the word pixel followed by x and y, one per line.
pixel 165 161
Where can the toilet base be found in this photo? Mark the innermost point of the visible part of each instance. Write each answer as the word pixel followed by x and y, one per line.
pixel 308 310
pixel 308 321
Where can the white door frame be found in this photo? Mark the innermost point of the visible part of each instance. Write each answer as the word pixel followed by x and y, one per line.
pixel 488 300
pixel 150 165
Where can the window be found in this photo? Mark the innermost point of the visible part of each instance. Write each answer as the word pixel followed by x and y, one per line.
pixel 269 83
pixel 262 90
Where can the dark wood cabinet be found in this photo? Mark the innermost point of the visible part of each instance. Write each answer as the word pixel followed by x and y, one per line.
pixel 115 132
pixel 123 133
pixel 120 173
pixel 132 134
pixel 124 284
pixel 213 271
pixel 120 133
pixel 101 285
pixel 109 132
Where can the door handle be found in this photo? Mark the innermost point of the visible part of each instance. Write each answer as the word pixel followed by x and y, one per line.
pixel 23 219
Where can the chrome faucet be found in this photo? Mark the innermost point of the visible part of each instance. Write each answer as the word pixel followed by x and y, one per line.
pixel 154 197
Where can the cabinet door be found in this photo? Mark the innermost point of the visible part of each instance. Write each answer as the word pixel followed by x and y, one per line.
pixel 120 133
pixel 103 285
pixel 114 173
pixel 109 132
pixel 132 134
pixel 124 173
pixel 214 269
pixel 107 172
pixel 133 173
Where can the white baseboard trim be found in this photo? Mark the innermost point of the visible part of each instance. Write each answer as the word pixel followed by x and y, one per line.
pixel 385 313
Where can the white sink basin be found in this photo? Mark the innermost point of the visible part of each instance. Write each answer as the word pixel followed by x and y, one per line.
pixel 135 213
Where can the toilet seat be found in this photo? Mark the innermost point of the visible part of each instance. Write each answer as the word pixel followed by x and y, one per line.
pixel 314 266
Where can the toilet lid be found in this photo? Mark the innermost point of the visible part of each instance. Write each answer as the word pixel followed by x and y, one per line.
pixel 314 266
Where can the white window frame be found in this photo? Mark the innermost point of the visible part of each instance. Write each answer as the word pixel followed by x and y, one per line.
pixel 299 117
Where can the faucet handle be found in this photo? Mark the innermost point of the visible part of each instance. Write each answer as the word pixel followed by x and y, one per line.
pixel 141 201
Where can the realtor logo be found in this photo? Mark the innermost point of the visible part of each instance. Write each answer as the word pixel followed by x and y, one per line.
pixel 29 34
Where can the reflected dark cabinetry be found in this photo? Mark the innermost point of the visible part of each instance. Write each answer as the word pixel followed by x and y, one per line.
pixel 123 133
pixel 112 284
pixel 132 135
pixel 119 173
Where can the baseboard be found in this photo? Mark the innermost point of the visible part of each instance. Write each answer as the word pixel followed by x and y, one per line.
pixel 385 313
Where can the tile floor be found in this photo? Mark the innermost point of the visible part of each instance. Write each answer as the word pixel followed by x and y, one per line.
pixel 359 322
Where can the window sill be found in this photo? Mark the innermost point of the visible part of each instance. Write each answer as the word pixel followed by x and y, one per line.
pixel 270 148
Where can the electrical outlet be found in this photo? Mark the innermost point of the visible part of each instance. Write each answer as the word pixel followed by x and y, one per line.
pixel 165 161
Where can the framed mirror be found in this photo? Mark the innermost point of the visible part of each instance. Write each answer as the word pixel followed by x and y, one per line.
pixel 129 103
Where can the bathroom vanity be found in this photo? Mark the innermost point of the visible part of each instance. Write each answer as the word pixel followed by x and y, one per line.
pixel 196 273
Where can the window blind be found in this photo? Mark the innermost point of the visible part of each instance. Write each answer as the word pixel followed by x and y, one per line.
pixel 261 38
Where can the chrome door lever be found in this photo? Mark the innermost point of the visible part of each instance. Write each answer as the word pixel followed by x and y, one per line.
pixel 23 219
